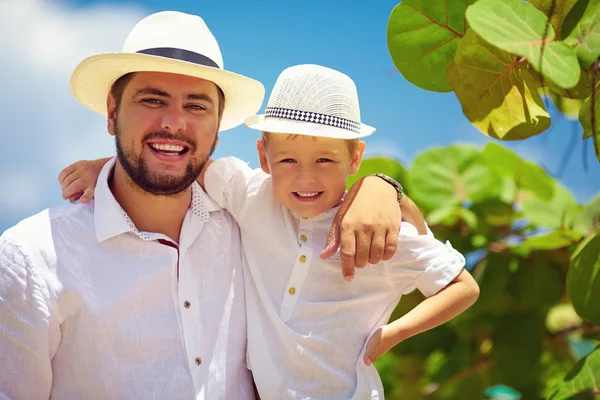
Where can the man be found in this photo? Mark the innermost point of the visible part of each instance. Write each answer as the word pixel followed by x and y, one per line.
pixel 139 294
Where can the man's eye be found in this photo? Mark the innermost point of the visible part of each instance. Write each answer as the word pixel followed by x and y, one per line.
pixel 197 107
pixel 152 101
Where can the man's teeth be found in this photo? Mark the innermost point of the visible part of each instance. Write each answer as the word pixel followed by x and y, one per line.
pixel 307 194
pixel 167 147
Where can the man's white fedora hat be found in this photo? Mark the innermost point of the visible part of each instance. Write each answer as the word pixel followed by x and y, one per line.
pixel 312 100
pixel 172 42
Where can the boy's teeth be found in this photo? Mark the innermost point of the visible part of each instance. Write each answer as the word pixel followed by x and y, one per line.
pixel 167 147
pixel 311 194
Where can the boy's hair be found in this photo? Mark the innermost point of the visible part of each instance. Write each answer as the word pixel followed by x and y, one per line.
pixel 118 88
pixel 351 143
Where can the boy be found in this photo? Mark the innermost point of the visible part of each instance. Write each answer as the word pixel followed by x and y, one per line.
pixel 311 334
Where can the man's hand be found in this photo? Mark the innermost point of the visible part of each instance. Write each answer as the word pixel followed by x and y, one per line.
pixel 366 225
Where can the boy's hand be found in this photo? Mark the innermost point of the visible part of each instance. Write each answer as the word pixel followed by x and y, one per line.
pixel 78 180
pixel 379 343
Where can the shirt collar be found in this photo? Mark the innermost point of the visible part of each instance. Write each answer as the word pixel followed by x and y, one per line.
pixel 111 220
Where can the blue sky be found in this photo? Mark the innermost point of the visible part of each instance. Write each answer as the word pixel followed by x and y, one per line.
pixel 45 129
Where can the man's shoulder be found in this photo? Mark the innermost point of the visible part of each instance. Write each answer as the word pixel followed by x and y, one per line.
pixel 39 233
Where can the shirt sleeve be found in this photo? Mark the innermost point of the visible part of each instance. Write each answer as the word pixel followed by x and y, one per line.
pixel 24 329
pixel 423 262
pixel 231 183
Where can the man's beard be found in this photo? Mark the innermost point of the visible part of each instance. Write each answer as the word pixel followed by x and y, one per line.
pixel 160 184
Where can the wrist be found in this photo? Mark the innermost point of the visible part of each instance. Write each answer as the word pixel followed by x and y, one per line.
pixel 394 184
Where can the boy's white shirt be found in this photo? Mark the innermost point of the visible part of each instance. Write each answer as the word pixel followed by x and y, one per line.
pixel 307 326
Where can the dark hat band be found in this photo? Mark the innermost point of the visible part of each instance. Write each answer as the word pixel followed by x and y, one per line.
pixel 308 116
pixel 180 54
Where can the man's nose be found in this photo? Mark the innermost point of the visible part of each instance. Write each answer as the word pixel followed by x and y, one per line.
pixel 174 119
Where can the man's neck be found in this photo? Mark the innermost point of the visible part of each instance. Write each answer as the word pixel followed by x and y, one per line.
pixel 150 213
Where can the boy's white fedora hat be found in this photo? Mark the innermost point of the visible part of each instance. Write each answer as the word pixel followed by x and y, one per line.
pixel 312 100
pixel 171 42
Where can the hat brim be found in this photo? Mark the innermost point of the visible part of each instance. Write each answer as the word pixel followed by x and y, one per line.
pixel 92 79
pixel 283 125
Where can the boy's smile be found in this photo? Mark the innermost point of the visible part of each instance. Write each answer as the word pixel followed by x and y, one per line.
pixel 309 173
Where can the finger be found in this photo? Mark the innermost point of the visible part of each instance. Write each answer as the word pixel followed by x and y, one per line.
pixel 333 241
pixel 74 176
pixel 377 247
pixel 72 188
pixel 67 171
pixel 347 252
pixel 363 248
pixel 88 194
pixel 391 243
pixel 73 198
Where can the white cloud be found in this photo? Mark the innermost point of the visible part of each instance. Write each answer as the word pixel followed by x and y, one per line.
pixel 43 128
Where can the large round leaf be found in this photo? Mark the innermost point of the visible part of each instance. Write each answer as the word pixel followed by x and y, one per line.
pixel 583 380
pixel 583 279
pixel 552 240
pixel 554 214
pixel 559 13
pixel 526 174
pixel 582 30
pixel 497 92
pixel 518 27
pixel 422 39
pixel 589 117
pixel 451 175
pixel 540 281
pixel 569 107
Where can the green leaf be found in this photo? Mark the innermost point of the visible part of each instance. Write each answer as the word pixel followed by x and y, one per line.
pixel 562 316
pixel 518 27
pixel 496 213
pixel 581 381
pixel 569 107
pixel 581 91
pixel 590 119
pixel 540 281
pixel 492 276
pixel 422 39
pixel 582 30
pixel 561 9
pixel 451 176
pixel 583 279
pixel 496 91
pixel 517 348
pixel 553 214
pixel 552 240
pixel 383 165
pixel 588 220
pixel 450 215
pixel 526 174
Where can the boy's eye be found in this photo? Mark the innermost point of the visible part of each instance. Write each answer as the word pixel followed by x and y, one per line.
pixel 323 160
pixel 288 160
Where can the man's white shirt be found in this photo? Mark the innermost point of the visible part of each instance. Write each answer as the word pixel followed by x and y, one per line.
pixel 92 308
pixel 307 326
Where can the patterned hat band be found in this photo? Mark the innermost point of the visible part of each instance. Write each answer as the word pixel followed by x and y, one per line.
pixel 307 116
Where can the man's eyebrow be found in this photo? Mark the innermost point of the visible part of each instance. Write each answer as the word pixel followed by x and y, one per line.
pixel 200 97
pixel 153 91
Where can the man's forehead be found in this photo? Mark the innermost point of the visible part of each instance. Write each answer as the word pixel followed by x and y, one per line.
pixel 164 80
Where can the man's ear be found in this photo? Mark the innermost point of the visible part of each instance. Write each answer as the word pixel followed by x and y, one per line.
pixel 262 155
pixel 357 156
pixel 111 107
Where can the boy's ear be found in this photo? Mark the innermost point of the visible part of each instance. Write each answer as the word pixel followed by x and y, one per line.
pixel 357 156
pixel 262 155
pixel 111 107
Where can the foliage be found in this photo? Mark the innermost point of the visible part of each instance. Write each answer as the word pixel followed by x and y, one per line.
pixel 535 253
pixel 500 57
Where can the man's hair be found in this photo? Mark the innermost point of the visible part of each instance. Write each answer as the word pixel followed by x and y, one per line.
pixel 351 143
pixel 118 88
